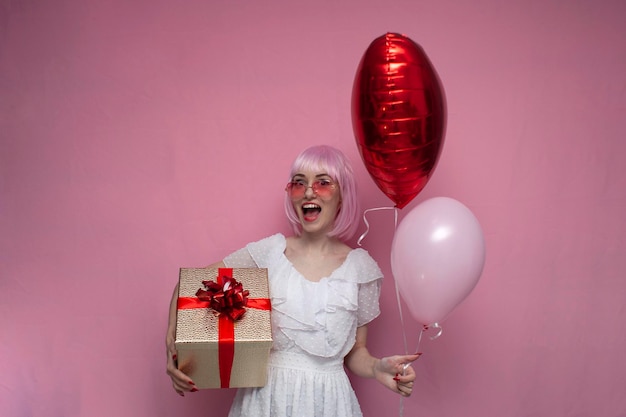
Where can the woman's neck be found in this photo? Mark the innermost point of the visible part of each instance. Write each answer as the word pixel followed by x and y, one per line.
pixel 316 257
pixel 318 243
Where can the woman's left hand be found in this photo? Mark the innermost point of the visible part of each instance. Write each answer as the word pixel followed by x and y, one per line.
pixel 396 373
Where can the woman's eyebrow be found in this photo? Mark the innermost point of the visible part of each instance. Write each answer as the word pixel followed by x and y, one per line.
pixel 299 175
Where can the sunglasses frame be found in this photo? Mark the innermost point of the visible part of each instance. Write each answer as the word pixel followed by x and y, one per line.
pixel 322 191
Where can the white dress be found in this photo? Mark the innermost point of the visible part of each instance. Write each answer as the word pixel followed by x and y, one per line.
pixel 314 327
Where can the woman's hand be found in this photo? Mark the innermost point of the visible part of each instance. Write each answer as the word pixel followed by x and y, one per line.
pixel 396 373
pixel 181 382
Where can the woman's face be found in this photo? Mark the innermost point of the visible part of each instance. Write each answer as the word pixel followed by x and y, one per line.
pixel 316 199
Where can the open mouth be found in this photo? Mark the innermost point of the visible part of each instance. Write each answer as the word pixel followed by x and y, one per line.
pixel 310 211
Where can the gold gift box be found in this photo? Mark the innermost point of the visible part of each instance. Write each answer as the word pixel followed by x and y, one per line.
pixel 198 338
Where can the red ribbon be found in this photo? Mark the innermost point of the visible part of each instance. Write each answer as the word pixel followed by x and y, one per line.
pixel 228 298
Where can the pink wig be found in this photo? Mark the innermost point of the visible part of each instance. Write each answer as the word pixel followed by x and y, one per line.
pixel 332 161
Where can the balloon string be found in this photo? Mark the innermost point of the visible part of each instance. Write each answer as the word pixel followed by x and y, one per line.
pixel 417 349
pixel 399 302
pixel 395 226
pixel 424 329
pixel 404 339
pixel 438 327
pixel 367 225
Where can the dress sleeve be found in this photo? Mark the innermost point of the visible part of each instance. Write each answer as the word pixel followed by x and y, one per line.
pixel 267 251
pixel 369 277
pixel 259 254
pixel 240 259
pixel 369 308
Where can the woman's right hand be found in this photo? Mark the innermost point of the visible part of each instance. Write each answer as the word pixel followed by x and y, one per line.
pixel 181 382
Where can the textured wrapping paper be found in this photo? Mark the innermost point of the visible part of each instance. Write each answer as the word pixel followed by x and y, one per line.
pixel 198 338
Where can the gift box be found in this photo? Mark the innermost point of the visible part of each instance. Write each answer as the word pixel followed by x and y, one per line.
pixel 223 329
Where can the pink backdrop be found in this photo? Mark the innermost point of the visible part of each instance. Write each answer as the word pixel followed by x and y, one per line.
pixel 141 136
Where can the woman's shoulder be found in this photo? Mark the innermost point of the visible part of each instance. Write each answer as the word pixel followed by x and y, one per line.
pixel 274 239
pixel 360 253
pixel 267 249
pixel 364 265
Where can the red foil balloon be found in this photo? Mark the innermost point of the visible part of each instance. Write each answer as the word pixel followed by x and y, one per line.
pixel 398 116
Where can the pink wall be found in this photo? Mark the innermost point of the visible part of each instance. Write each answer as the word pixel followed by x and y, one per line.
pixel 141 136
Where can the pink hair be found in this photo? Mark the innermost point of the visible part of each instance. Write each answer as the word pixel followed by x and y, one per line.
pixel 332 161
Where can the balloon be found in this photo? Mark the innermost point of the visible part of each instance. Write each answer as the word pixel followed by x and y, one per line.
pixel 398 116
pixel 437 256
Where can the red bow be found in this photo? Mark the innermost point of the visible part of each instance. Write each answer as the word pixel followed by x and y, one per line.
pixel 227 298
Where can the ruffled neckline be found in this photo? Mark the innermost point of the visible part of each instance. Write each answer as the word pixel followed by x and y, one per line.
pixel 305 323
pixel 319 317
pixel 321 280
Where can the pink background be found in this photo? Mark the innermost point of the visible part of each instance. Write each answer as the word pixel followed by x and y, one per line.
pixel 141 136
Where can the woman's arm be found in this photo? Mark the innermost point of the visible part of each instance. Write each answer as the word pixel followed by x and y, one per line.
pixel 180 381
pixel 389 371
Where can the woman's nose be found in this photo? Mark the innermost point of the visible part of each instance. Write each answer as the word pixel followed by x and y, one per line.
pixel 309 192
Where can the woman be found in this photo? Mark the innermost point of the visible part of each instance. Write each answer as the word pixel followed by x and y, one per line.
pixel 323 295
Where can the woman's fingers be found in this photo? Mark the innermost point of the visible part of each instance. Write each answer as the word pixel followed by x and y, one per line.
pixel 406 375
pixel 180 381
pixel 405 388
pixel 396 373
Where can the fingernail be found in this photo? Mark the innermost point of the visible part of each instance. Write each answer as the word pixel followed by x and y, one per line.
pixel 174 357
pixel 418 353
pixel 194 390
pixel 395 378
pixel 191 383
